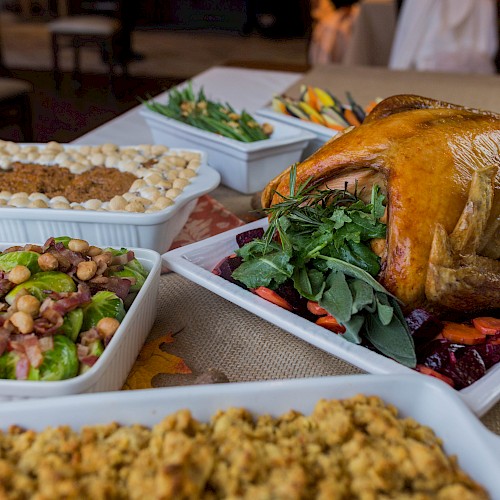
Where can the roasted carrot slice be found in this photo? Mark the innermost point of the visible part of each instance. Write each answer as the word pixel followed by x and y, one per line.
pixel 272 296
pixel 487 326
pixel 462 334
pixel 316 309
pixel 351 117
pixel 433 373
pixel 370 106
pixel 330 323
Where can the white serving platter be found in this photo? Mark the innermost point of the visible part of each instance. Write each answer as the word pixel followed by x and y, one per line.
pixel 112 368
pixel 428 401
pixel 155 231
pixel 321 133
pixel 196 261
pixel 245 167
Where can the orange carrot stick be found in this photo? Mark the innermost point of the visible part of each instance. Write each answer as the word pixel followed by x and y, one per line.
pixel 272 296
pixel 330 323
pixel 487 326
pixel 433 373
pixel 315 308
pixel 351 117
pixel 462 334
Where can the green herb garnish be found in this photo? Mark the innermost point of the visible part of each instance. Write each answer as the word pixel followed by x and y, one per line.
pixel 320 240
pixel 197 110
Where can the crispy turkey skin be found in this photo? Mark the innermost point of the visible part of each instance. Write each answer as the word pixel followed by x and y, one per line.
pixel 423 154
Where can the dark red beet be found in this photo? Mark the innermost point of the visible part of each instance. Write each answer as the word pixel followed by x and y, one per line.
pixel 490 353
pixel 468 368
pixel 298 303
pixel 439 354
pixel 423 326
pixel 225 269
pixel 248 236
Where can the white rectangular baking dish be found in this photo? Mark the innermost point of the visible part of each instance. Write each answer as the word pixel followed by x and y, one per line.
pixel 112 368
pixel 246 167
pixel 427 400
pixel 321 133
pixel 155 231
pixel 196 262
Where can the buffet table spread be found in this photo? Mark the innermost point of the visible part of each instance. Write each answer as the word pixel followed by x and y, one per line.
pixel 210 335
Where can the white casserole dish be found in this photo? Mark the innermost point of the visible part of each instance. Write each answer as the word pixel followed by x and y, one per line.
pixel 321 134
pixel 428 401
pixel 155 231
pixel 196 262
pixel 112 368
pixel 245 167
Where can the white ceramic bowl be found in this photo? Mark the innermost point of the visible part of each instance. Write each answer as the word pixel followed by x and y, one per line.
pixel 428 401
pixel 245 167
pixel 321 133
pixel 112 368
pixel 196 262
pixel 154 231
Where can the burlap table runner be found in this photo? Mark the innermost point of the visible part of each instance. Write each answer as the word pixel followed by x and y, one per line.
pixel 212 333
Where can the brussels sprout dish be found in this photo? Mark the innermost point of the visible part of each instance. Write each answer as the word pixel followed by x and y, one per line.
pixel 60 305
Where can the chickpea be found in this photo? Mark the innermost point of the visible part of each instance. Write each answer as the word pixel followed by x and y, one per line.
pixel 48 262
pixel 22 321
pixel 104 257
pixel 86 270
pixel 93 251
pixel 19 274
pixel 106 327
pixel 28 304
pixel 80 246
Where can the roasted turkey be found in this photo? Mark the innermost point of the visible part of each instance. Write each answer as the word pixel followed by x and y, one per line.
pixel 443 235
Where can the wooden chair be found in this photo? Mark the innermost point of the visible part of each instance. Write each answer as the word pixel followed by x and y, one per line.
pixel 81 31
pixel 15 106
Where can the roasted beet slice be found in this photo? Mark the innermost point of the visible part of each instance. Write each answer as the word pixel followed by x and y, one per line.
pixel 436 354
pixel 225 269
pixel 423 326
pixel 489 352
pixel 248 236
pixel 293 297
pixel 468 368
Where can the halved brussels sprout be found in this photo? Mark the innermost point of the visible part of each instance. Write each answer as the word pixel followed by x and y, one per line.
pixel 133 269
pixel 10 260
pixel 63 239
pixel 72 324
pixel 104 304
pixel 59 363
pixel 41 284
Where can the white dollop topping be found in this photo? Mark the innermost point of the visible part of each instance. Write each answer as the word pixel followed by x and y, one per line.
pixel 161 174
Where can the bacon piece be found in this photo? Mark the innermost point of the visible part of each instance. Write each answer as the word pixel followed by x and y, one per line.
pixel 123 258
pixel 120 286
pixel 71 300
pixel 22 367
pixel 89 336
pixel 46 343
pixel 33 350
pixel 4 339
pixel 49 322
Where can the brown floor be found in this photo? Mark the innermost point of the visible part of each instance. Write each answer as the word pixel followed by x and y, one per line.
pixel 169 57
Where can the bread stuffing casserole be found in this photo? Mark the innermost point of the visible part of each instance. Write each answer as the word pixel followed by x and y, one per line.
pixel 144 178
pixel 346 449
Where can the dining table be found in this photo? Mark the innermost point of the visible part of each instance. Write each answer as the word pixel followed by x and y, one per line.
pixel 216 339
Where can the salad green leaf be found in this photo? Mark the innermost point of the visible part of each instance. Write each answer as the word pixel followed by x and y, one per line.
pixel 320 241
